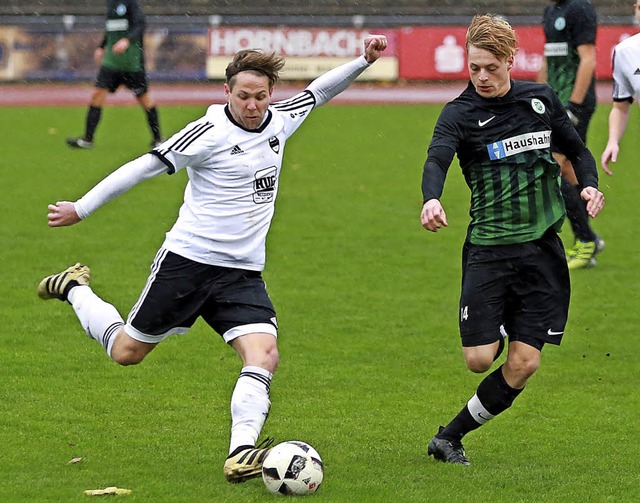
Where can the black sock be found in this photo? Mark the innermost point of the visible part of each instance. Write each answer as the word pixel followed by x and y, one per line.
pixel 494 395
pixel 154 123
pixel 93 118
pixel 577 212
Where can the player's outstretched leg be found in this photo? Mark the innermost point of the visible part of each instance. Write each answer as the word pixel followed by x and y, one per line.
pixel 447 451
pixel 99 319
pixel 57 286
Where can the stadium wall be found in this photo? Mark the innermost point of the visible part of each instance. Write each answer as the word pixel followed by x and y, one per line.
pixel 178 52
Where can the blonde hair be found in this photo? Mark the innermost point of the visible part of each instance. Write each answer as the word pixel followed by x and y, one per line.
pixel 492 33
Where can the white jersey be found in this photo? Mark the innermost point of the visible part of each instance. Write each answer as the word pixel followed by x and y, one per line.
pixel 233 172
pixel 234 175
pixel 626 69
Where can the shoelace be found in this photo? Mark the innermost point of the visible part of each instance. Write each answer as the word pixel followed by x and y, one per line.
pixel 266 443
pixel 458 453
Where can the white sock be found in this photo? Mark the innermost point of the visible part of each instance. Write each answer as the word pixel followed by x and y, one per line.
pixel 249 406
pixel 100 320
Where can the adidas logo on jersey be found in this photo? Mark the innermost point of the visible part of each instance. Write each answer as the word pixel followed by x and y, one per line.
pixel 236 150
pixel 637 72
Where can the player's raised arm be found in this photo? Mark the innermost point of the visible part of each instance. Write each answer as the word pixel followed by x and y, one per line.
pixel 373 47
pixel 332 83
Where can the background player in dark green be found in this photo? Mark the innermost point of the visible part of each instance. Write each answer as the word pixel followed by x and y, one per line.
pixel 121 60
pixel 569 67
pixel 515 280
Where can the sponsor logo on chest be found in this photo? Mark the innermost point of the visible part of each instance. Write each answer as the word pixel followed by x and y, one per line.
pixel 264 185
pixel 516 144
pixel 117 24
pixel 555 49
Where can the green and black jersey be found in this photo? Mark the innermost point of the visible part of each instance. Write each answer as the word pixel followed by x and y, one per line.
pixel 124 20
pixel 504 148
pixel 568 24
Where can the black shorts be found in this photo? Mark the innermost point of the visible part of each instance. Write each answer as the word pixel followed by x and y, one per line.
pixel 112 79
pixel 233 302
pixel 524 287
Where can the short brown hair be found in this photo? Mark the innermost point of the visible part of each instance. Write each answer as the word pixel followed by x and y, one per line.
pixel 252 60
pixel 492 33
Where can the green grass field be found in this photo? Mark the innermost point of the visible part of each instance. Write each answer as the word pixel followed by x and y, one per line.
pixel 367 303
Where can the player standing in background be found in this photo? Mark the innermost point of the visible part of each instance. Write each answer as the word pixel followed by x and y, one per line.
pixel 515 278
pixel 569 67
pixel 626 85
pixel 121 60
pixel 210 264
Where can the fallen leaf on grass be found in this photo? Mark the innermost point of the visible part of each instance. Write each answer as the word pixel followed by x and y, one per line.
pixel 74 461
pixel 107 491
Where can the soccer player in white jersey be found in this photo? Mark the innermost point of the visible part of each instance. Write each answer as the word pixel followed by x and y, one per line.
pixel 211 261
pixel 626 85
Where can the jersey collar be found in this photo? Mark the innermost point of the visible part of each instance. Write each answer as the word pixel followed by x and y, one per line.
pixel 260 129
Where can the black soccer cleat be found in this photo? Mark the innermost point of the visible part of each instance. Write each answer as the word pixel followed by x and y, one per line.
pixel 447 451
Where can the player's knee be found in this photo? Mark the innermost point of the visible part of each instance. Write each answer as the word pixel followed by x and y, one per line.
pixel 271 358
pixel 98 97
pixel 478 363
pixel 523 367
pixel 127 357
pixel 267 357
pixel 127 351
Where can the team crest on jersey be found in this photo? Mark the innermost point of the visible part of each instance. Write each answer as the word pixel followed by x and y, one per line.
pixel 274 143
pixel 538 106
pixel 121 9
pixel 264 185
pixel 560 23
pixel 521 143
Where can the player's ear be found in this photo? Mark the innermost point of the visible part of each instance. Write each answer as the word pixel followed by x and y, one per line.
pixel 227 90
pixel 509 62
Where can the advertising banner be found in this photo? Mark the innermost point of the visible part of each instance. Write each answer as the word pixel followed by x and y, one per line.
pixel 309 52
pixel 415 53
pixel 44 54
pixel 438 53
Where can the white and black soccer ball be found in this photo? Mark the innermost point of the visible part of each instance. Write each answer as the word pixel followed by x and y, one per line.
pixel 292 467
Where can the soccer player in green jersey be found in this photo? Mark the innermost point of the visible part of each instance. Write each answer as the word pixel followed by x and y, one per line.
pixel 121 59
pixel 515 279
pixel 569 67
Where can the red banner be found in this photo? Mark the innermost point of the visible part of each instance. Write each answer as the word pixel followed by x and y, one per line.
pixel 438 53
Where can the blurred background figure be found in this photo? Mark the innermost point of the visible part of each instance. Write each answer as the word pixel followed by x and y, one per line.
pixel 569 67
pixel 626 68
pixel 121 60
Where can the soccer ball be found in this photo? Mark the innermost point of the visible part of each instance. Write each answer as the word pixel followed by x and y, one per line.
pixel 292 467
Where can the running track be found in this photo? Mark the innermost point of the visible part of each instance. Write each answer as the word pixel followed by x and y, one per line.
pixel 204 93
